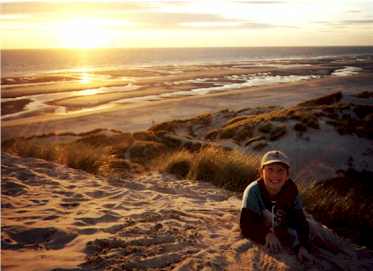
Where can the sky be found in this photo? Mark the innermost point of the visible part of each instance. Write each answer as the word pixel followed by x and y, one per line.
pixel 184 23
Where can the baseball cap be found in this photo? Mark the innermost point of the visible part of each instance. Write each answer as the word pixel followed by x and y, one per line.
pixel 274 156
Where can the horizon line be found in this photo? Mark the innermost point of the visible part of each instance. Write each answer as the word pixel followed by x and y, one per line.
pixel 195 47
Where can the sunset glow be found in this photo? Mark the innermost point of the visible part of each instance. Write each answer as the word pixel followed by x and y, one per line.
pixel 202 23
pixel 85 78
pixel 82 33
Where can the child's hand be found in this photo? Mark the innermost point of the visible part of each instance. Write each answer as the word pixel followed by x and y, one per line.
pixel 303 255
pixel 268 217
pixel 272 243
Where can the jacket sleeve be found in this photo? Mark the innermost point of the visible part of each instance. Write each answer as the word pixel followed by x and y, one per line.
pixel 298 219
pixel 252 225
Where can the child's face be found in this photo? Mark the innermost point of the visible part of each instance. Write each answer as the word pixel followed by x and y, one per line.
pixel 274 176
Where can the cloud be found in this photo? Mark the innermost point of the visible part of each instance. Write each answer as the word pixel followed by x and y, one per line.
pixel 354 11
pixel 68 6
pixel 357 22
pixel 344 24
pixel 143 15
pixel 264 2
pixel 167 20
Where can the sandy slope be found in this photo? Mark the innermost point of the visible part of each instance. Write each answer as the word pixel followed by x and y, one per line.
pixel 50 213
pixel 55 217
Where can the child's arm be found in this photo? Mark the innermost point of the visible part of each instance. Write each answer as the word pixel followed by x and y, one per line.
pixel 253 225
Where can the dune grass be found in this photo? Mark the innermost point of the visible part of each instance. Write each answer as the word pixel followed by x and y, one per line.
pixel 178 163
pixel 344 204
pixel 75 155
pixel 229 169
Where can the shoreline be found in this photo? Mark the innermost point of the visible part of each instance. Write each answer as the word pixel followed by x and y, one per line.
pixel 135 117
pixel 89 91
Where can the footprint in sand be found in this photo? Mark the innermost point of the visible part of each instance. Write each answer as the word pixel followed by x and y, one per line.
pixel 70 205
pixel 106 218
pixel 98 194
pixel 16 237
pixel 10 187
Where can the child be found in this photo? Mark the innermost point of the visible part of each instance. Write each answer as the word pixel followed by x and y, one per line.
pixel 271 212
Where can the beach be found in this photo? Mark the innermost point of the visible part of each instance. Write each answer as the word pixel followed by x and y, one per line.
pixel 80 102
pixel 98 199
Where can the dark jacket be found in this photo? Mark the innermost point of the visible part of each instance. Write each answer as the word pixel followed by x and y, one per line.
pixel 287 210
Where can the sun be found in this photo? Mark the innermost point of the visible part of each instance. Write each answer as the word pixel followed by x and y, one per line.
pixel 82 33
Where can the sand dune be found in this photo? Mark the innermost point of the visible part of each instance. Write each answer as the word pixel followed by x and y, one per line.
pixel 57 218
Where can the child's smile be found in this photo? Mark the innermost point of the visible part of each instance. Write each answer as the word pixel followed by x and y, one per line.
pixel 275 176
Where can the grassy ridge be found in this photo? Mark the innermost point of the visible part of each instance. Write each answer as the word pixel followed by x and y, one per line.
pixel 229 169
pixel 75 155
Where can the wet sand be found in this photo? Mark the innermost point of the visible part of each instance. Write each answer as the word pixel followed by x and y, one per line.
pixel 141 115
pixel 11 107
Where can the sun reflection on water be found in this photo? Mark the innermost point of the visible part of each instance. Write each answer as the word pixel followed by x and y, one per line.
pixel 87 92
pixel 85 78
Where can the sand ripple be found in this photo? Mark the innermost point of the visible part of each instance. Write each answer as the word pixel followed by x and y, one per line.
pixel 57 218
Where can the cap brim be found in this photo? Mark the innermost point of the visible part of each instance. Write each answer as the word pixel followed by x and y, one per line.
pixel 275 161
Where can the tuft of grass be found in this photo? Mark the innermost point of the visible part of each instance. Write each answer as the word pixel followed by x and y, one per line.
pixel 277 132
pixel 178 163
pixel 212 134
pixel 81 156
pixel 75 154
pixel 243 133
pixel 265 127
pixel 31 148
pixel 144 136
pixel 228 132
pixel 260 144
pixel 325 100
pixel 348 201
pixel 235 120
pixel 144 151
pixel 308 118
pixel 231 170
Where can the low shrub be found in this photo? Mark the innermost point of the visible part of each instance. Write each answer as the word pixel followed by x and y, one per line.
pixel 325 100
pixel 277 132
pixel 243 133
pixel 144 151
pixel 265 127
pixel 228 132
pixel 81 156
pixel 260 144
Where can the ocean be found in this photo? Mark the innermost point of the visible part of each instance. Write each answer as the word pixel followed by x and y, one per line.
pixel 28 62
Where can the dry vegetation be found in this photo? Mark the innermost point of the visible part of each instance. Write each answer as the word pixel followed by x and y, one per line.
pixel 190 149
pixel 348 203
pixel 229 169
